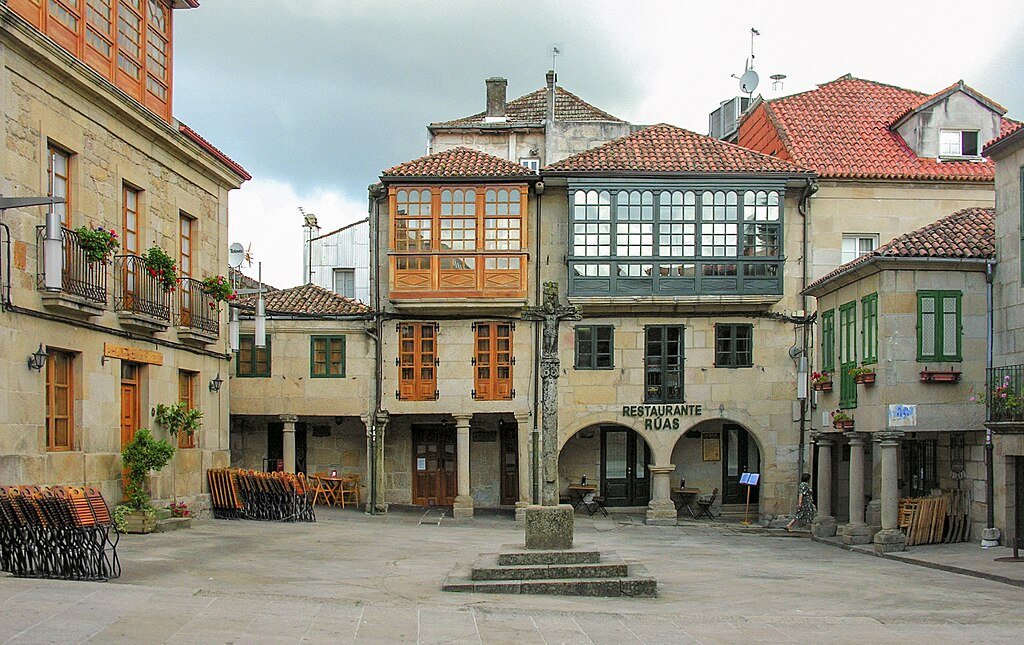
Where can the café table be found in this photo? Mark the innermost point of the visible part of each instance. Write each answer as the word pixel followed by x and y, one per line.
pixel 686 497
pixel 580 492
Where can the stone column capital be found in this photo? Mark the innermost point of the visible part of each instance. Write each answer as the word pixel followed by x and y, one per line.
pixel 662 470
pixel 288 418
pixel 462 419
pixel 523 417
pixel 824 438
pixel 888 437
pixel 855 438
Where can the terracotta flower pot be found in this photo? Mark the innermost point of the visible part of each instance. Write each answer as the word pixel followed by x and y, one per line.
pixel 864 379
pixel 824 386
pixel 947 376
pixel 843 424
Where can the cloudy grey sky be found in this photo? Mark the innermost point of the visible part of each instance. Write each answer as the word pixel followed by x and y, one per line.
pixel 316 97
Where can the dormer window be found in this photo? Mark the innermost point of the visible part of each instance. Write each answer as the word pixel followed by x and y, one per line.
pixel 959 143
pixel 533 163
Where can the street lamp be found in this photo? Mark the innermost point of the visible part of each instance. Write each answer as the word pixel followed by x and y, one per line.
pixel 37 359
pixel 216 383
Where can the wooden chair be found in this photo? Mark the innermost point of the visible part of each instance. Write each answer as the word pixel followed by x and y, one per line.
pixel 704 504
pixel 351 490
pixel 321 490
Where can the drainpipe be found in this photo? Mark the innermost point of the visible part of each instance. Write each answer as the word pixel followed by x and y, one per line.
pixel 804 208
pixel 990 536
pixel 535 436
pixel 376 335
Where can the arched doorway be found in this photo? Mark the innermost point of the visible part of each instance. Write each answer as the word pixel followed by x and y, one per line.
pixel 715 454
pixel 612 457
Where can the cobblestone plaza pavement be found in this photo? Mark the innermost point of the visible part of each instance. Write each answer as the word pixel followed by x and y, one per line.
pixel 353 578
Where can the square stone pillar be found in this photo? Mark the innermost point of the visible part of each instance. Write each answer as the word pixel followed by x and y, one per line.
pixel 288 441
pixel 524 445
pixel 857 531
pixel 464 500
pixel 890 538
pixel 824 524
pixel 661 511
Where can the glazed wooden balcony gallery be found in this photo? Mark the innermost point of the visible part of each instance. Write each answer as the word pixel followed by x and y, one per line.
pixel 675 240
pixel 128 42
pixel 458 242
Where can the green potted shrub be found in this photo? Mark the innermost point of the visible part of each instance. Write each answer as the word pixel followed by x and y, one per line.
pixel 98 243
pixel 139 457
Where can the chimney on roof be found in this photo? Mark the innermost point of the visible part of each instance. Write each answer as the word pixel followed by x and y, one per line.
pixel 552 80
pixel 496 87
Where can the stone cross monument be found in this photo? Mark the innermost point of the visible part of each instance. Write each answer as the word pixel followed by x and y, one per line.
pixel 552 314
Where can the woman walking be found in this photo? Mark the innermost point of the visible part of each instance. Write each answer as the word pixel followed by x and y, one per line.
pixel 805 508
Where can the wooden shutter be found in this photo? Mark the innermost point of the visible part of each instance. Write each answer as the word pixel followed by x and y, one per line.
pixel 417 356
pixel 493 373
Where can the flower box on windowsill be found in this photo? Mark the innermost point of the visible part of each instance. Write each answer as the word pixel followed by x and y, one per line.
pixel 843 424
pixel 940 376
pixel 868 378
pixel 824 386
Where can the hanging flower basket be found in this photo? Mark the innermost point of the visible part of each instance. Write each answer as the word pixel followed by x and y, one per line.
pixel 97 243
pixel 159 265
pixel 219 288
pixel 842 420
pixel 863 375
pixel 940 376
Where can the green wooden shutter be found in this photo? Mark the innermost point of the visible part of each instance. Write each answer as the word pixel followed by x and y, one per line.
pixel 869 329
pixel 939 326
pixel 847 354
pixel 828 340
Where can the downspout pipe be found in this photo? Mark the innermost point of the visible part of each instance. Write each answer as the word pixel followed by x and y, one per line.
pixel 990 536
pixel 810 188
pixel 373 208
pixel 535 434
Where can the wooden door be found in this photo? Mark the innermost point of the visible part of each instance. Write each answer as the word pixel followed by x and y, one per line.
pixel 625 457
pixel 509 442
pixel 129 401
pixel 740 456
pixel 434 465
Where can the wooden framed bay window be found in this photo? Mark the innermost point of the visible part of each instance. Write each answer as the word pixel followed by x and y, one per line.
pixel 417 362
pixel 60 401
pixel 458 241
pixel 492 362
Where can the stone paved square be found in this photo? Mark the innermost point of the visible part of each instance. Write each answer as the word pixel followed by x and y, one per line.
pixel 352 578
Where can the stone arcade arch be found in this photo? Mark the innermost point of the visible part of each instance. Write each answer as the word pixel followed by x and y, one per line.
pixel 714 453
pixel 614 457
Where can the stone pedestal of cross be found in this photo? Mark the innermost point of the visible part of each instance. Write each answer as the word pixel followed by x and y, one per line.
pixel 550 525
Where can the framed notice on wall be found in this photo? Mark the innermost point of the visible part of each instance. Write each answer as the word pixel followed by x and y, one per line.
pixel 711 443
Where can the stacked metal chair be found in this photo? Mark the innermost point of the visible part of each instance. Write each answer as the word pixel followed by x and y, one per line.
pixel 255 495
pixel 57 532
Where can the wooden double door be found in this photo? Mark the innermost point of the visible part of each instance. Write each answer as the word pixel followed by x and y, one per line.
pixel 434 466
pixel 739 455
pixel 625 473
pixel 130 407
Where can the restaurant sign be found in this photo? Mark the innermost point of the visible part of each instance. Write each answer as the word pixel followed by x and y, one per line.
pixel 663 417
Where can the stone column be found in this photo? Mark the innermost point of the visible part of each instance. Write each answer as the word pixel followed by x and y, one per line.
pixel 464 500
pixel 288 433
pixel 661 511
pixel 890 538
pixel 824 524
pixel 856 532
pixel 523 446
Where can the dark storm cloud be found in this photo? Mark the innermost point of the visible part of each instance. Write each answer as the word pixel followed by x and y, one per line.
pixel 326 98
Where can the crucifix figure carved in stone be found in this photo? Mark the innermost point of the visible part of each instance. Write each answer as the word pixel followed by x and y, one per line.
pixel 551 313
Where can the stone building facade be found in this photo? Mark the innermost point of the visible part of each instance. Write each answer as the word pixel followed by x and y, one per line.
pixel 117 343
pixel 912 315
pixel 1006 421
pixel 300 404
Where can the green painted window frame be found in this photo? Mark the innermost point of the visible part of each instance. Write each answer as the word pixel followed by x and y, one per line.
pixel 254 364
pixel 733 356
pixel 587 355
pixel 828 341
pixel 847 354
pixel 1021 231
pixel 938 331
pixel 869 329
pixel 329 340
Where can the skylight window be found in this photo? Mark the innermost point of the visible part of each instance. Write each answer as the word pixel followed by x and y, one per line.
pixel 959 143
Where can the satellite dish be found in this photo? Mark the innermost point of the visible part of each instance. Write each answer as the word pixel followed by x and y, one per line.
pixel 748 82
pixel 236 255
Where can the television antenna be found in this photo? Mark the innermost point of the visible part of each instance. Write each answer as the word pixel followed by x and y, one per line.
pixel 749 79
pixel 555 50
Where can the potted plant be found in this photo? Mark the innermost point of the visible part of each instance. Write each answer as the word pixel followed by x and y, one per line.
pixel 159 265
pixel 863 375
pixel 219 288
pixel 940 376
pixel 180 509
pixel 178 418
pixel 1005 403
pixel 98 243
pixel 842 420
pixel 140 456
pixel 821 381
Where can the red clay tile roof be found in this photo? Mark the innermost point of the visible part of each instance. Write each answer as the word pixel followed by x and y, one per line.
pixel 532 109
pixel 1009 128
pixel 966 234
pixel 232 165
pixel 667 148
pixel 842 129
pixel 306 300
pixel 459 162
pixel 243 281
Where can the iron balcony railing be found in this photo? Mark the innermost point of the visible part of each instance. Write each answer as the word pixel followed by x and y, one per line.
pixel 197 309
pixel 80 276
pixel 1004 398
pixel 138 291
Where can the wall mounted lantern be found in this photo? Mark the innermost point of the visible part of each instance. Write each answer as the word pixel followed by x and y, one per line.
pixel 37 359
pixel 216 383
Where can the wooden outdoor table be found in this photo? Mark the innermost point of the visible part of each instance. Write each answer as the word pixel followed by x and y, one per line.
pixel 686 497
pixel 336 484
pixel 580 492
